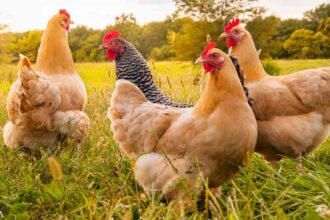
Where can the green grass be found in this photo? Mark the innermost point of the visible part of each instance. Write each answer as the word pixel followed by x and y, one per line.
pixel 98 181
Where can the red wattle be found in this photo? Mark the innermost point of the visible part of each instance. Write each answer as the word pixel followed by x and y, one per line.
pixel 111 55
pixel 208 68
pixel 230 42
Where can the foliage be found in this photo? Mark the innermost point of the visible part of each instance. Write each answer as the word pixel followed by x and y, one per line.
pixel 84 43
pixel 271 67
pixel 212 10
pixel 320 12
pixel 304 43
pixel 5 40
pixel 190 41
pixel 193 22
pixel 27 44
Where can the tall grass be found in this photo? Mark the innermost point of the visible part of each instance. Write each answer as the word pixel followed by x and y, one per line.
pixel 95 181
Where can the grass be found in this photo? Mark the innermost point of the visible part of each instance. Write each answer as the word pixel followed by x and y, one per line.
pixel 95 181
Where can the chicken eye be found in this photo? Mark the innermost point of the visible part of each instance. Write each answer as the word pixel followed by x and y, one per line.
pixel 65 20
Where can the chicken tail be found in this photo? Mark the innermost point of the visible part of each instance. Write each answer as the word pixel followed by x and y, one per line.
pixel 162 173
pixel 125 98
pixel 38 95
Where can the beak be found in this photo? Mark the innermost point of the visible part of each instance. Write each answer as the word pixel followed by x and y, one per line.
pixel 223 35
pixel 102 47
pixel 200 60
pixel 71 22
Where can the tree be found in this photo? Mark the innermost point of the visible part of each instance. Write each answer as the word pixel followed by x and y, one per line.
pixel 153 35
pixel 299 44
pixel 211 10
pixel 26 43
pixel 320 12
pixel 318 15
pixel 324 26
pixel 191 39
pixel 320 45
pixel 125 19
pixel 84 43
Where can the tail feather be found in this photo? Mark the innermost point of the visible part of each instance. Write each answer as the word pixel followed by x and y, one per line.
pixel 125 97
pixel 38 96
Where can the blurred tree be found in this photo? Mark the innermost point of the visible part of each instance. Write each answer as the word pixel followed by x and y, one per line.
pixel 211 10
pixel 153 35
pixel 191 39
pixel 26 43
pixel 299 44
pixel 288 26
pixel 318 14
pixel 84 43
pixel 125 19
pixel 5 40
pixel 320 45
pixel 324 26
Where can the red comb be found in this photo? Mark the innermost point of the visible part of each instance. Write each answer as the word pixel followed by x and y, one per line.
pixel 111 35
pixel 231 24
pixel 64 12
pixel 208 47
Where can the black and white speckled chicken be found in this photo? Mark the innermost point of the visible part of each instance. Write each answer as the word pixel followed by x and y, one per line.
pixel 131 66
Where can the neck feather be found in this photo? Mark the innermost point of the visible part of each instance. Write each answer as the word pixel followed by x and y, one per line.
pixel 220 87
pixel 54 55
pixel 249 60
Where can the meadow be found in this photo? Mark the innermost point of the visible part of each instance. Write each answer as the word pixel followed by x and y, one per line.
pixel 94 180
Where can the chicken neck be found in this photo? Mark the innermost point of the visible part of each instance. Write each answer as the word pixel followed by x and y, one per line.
pixel 249 60
pixel 133 67
pixel 54 55
pixel 221 86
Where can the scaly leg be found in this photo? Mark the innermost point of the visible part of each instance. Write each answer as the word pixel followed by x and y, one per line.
pixel 300 167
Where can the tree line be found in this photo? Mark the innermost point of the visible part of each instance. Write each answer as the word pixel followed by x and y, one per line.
pixel 183 35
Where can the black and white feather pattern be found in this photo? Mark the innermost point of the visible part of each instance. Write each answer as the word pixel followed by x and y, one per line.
pixel 132 66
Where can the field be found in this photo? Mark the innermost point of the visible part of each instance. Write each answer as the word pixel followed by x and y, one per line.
pixel 95 181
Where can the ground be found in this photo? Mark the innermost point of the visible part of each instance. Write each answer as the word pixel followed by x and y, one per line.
pixel 95 180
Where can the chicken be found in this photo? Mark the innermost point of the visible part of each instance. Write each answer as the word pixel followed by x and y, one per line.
pixel 292 111
pixel 131 66
pixel 168 143
pixel 44 105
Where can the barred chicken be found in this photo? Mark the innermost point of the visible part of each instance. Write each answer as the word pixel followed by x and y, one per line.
pixel 293 111
pixel 45 105
pixel 167 143
pixel 131 66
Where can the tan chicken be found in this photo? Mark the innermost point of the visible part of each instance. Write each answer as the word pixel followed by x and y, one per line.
pixel 44 105
pixel 293 111
pixel 215 136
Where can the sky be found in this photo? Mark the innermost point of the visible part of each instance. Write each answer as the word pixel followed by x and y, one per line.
pixel 23 15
